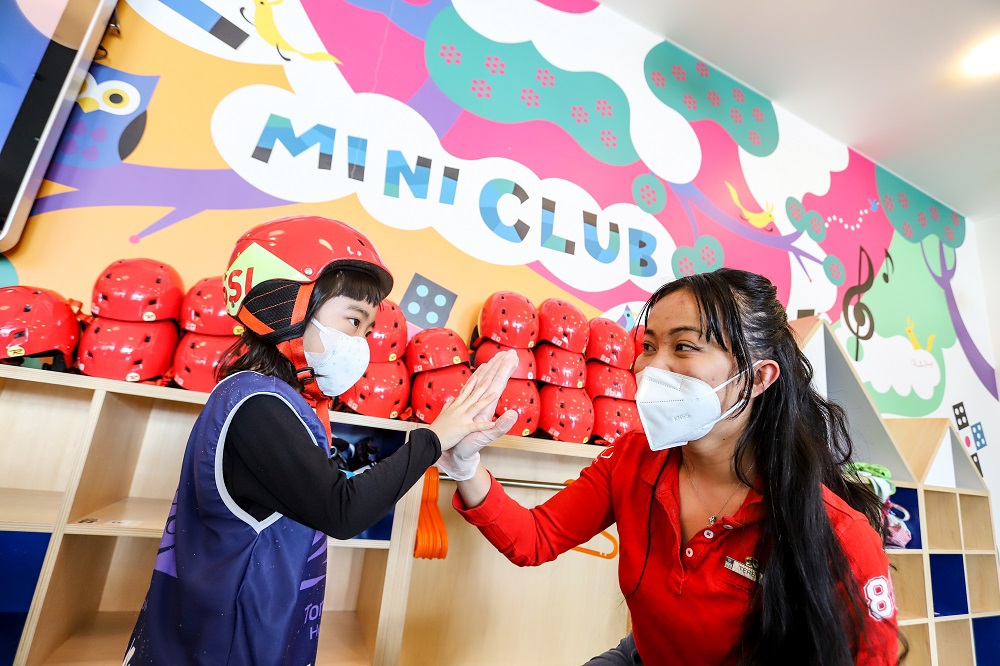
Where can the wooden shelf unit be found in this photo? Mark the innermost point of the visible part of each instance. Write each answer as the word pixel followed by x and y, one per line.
pixel 94 463
pixel 946 581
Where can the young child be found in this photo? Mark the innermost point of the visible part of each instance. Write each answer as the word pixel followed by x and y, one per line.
pixel 742 539
pixel 243 555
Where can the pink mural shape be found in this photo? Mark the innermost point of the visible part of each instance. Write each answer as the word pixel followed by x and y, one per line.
pixel 572 6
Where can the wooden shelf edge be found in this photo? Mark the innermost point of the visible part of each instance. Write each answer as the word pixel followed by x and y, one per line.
pixel 905 622
pixel 98 384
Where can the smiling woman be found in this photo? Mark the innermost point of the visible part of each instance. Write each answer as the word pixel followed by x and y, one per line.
pixel 742 539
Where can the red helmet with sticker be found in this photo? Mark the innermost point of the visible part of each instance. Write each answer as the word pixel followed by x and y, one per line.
pixel 138 290
pixel 605 380
pixel 197 358
pixel 289 254
pixel 525 369
pixel 521 395
pixel 563 324
pixel 613 418
pixel 510 319
pixel 560 367
pixel 383 391
pixel 203 309
pixel 134 351
pixel 431 390
pixel 37 322
pixel 567 413
pixel 435 348
pixel 387 341
pixel 610 343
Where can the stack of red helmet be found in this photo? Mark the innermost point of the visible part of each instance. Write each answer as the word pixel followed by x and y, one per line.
pixel 210 333
pixel 438 363
pixel 567 411
pixel 384 389
pixel 133 333
pixel 510 321
pixel 38 323
pixel 610 382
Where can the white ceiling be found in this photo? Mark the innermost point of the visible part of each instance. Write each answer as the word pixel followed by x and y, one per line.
pixel 882 76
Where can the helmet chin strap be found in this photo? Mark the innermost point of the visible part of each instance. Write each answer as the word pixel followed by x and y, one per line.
pixel 294 351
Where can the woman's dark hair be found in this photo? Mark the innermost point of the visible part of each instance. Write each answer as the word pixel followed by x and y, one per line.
pixel 796 441
pixel 253 352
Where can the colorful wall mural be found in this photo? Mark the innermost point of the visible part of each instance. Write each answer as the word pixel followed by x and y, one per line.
pixel 552 148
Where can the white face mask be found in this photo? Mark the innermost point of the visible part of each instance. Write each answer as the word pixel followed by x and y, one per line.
pixel 341 363
pixel 676 409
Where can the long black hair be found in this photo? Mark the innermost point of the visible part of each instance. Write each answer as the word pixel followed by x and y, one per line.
pixel 796 441
pixel 257 353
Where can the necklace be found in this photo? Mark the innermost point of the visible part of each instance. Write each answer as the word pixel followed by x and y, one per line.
pixel 715 516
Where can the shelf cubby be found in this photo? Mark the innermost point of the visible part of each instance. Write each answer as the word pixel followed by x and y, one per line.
pixel 984 586
pixel 977 522
pixel 908 584
pixel 948 584
pixel 943 525
pixel 908 499
pixel 954 642
pixel 986 638
pixel 918 641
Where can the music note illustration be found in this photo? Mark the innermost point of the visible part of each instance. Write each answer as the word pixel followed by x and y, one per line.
pixel 887 271
pixel 858 316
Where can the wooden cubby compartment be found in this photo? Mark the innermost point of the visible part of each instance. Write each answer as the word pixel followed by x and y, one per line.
pixel 943 525
pixel 908 584
pixel 977 522
pixel 918 644
pixel 954 642
pixel 984 586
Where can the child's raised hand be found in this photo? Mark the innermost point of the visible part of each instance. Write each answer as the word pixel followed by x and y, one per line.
pixel 464 414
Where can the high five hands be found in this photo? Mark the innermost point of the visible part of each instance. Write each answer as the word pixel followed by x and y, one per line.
pixel 469 418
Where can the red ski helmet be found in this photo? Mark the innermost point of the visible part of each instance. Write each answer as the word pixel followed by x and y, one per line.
pixel 605 380
pixel 510 319
pixel 613 418
pixel 197 358
pixel 387 341
pixel 203 309
pixel 521 395
pixel 563 324
pixel 272 272
pixel 567 413
pixel 383 391
pixel 431 389
pixel 36 322
pixel 560 367
pixel 610 343
pixel 435 348
pixel 134 351
pixel 525 369
pixel 138 290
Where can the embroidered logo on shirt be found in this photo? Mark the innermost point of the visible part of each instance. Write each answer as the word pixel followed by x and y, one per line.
pixel 747 570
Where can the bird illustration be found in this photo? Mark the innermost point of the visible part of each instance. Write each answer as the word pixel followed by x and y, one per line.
pixel 108 119
pixel 758 220
pixel 913 338
pixel 627 319
pixel 263 21
pixel 873 205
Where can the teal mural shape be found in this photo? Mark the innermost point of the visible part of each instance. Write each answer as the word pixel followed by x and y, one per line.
pixel 8 276
pixel 914 214
pixel 809 221
pixel 695 90
pixel 706 256
pixel 649 193
pixel 512 83
pixel 911 299
pixel 833 267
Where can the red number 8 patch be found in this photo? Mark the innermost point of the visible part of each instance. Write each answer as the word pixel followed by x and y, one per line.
pixel 878 591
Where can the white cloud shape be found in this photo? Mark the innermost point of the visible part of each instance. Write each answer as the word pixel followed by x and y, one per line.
pixel 893 363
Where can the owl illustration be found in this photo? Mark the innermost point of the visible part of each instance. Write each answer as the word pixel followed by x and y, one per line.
pixel 108 118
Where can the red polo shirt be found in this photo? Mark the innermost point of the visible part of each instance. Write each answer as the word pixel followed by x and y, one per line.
pixel 690 606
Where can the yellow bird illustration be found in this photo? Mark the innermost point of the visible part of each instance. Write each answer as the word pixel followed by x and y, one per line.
pixel 759 220
pixel 263 21
pixel 913 338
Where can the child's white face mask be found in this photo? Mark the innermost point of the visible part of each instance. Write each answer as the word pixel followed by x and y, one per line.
pixel 676 409
pixel 341 363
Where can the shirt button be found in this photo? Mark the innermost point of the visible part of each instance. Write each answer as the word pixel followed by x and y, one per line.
pixel 708 534
pixel 727 527
pixel 689 552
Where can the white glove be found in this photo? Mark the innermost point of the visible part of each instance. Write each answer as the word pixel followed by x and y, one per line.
pixel 461 461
